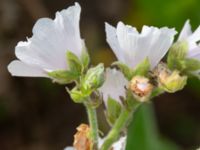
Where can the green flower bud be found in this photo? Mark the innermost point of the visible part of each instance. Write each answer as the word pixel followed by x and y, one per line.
pixel 171 81
pixel 93 79
pixel 76 95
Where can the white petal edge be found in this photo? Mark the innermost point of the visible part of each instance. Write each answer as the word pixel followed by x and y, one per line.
pixel 161 43
pixel 128 37
pixel 112 40
pixel 186 31
pixel 195 37
pixel 18 68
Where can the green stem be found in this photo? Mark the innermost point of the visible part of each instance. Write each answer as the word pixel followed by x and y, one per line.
pixel 119 125
pixel 92 117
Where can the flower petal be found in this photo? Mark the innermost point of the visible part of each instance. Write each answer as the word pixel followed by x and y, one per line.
pixel 194 53
pixel 160 43
pixel 186 31
pixel 51 39
pixel 111 38
pixel 195 37
pixel 114 85
pixel 132 48
pixel 18 68
pixel 127 37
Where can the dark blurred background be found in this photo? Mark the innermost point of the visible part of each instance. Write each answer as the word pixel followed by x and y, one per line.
pixel 38 115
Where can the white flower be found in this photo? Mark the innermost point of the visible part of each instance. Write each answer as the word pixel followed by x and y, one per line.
pixel 119 145
pixel 45 51
pixel 132 47
pixel 192 39
pixel 114 85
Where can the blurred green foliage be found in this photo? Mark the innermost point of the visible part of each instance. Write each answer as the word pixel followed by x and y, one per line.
pixel 143 133
pixel 171 13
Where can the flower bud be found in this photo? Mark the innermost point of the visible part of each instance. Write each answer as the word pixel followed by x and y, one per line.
pixel 170 81
pixel 76 95
pixel 93 79
pixel 141 87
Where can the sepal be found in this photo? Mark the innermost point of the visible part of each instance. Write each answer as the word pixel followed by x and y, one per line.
pixel 142 68
pixel 113 110
pixel 85 60
pixel 73 62
pixel 177 53
pixel 190 65
pixel 128 72
pixel 63 76
pixel 130 101
pixel 76 95
pixel 156 92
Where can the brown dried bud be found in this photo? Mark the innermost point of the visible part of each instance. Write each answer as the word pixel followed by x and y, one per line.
pixel 82 140
pixel 141 86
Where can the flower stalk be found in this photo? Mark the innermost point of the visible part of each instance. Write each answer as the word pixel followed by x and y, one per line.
pixel 92 118
pixel 120 124
pixel 114 133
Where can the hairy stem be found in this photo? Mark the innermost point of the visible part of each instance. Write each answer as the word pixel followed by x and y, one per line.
pixel 120 124
pixel 92 117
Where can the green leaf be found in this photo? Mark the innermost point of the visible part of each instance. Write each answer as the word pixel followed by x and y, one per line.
pixel 142 68
pixel 128 72
pixel 63 76
pixel 85 59
pixel 73 62
pixel 143 133
pixel 177 52
pixel 113 110
pixel 93 79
